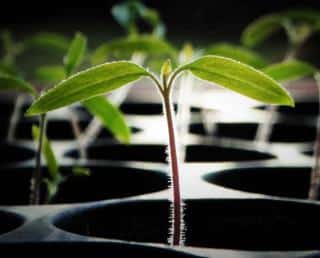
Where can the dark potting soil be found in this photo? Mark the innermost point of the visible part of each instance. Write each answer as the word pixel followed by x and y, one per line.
pixel 130 108
pixel 157 153
pixel 281 132
pixel 12 154
pixel 302 108
pixel 9 221
pixel 309 153
pixel 4 122
pixel 292 182
pixel 251 224
pixel 88 249
pixel 6 109
pixel 105 182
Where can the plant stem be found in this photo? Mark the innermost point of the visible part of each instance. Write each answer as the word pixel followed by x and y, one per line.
pixel 36 176
pixel 91 132
pixel 264 130
pixel 177 210
pixel 315 173
pixel 77 134
pixel 15 117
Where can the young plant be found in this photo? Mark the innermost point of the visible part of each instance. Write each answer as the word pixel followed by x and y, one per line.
pixel 104 78
pixel 11 82
pixel 8 82
pixel 103 111
pixel 11 50
pixel 299 25
pixel 137 47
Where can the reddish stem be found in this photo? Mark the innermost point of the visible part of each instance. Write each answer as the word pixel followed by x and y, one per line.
pixel 168 110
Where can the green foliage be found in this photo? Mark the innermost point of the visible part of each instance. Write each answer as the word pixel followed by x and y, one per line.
pixel 75 53
pixel 110 116
pixel 51 74
pixel 166 70
pixel 11 50
pixel 80 171
pixel 55 178
pixel 102 79
pixel 8 69
pixel 298 23
pixel 240 78
pixel 289 70
pixel 8 82
pixel 87 84
pixel 100 54
pixel 129 13
pixel 310 16
pixel 238 53
pixel 47 40
pixel 186 54
pixel 260 29
pixel 47 151
pixel 124 48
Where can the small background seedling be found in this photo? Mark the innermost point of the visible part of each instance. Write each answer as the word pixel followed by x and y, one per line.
pixel 104 78
pixel 13 81
pixel 299 25
pixel 13 53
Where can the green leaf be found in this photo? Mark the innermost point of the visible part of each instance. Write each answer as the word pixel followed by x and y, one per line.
pixel 126 47
pixel 238 77
pixel 7 41
pixel 149 45
pixel 290 70
pixel 48 40
pixel 100 54
pixel 88 84
pixel 310 16
pixel 53 186
pixel 51 74
pixel 75 53
pixel 80 171
pixel 110 116
pixel 8 82
pixel 47 152
pixel 260 29
pixel 8 69
pixel 238 53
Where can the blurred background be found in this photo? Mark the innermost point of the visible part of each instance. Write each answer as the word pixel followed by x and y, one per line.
pixel 201 21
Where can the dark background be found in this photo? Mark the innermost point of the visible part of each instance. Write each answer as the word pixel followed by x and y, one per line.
pixel 200 22
pixel 204 18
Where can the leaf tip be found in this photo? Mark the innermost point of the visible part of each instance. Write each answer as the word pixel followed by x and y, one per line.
pixel 31 111
pixel 289 101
